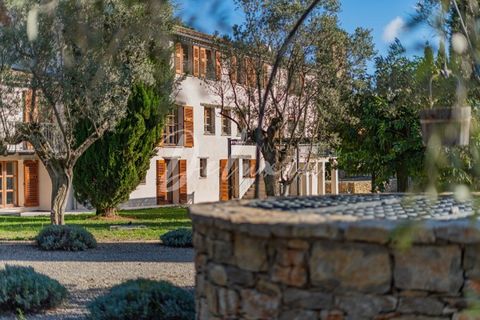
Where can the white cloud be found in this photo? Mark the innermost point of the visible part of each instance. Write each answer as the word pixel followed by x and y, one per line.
pixel 393 29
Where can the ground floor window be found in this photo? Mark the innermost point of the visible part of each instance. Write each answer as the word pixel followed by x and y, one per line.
pixel 8 183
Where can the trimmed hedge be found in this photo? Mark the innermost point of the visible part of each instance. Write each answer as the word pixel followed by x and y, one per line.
pixel 21 288
pixel 67 237
pixel 178 238
pixel 144 299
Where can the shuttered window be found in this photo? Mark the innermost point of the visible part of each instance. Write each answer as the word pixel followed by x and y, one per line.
pixel 209 120
pixel 31 183
pixel 233 69
pixel 182 180
pixel 223 180
pixel 161 182
pixel 226 122
pixel 170 128
pixel 188 127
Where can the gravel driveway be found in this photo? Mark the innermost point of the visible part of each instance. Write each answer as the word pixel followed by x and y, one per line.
pixel 90 273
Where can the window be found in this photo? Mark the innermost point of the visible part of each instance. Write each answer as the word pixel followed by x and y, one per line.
pixel 210 65
pixel 170 130
pixel 186 60
pixel 246 168
pixel 226 122
pixel 203 167
pixel 209 120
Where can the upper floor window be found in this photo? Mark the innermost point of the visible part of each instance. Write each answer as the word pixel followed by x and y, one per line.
pixel 209 120
pixel 226 122
pixel 170 129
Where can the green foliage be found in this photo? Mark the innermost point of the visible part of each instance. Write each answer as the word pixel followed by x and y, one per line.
pixel 65 237
pixel 144 299
pixel 113 166
pixel 24 290
pixel 383 138
pixel 178 238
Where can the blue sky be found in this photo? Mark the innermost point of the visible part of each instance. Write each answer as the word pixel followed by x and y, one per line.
pixel 383 17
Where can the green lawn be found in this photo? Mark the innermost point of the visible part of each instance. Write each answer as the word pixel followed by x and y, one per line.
pixel 157 221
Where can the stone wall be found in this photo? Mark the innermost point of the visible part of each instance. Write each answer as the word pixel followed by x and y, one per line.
pixel 258 264
pixel 350 187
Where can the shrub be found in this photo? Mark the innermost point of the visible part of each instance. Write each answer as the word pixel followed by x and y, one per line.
pixel 144 299
pixel 22 289
pixel 178 238
pixel 70 238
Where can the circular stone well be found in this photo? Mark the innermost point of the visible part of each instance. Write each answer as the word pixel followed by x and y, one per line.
pixel 337 257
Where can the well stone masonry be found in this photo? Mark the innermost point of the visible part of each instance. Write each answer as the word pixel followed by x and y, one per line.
pixel 338 257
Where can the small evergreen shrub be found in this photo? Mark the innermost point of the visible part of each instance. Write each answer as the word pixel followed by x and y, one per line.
pixel 24 290
pixel 144 299
pixel 178 238
pixel 69 238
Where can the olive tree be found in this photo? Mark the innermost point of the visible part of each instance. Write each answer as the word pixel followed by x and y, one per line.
pixel 73 61
pixel 283 72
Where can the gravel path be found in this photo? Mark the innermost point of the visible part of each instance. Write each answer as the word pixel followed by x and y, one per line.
pixel 90 273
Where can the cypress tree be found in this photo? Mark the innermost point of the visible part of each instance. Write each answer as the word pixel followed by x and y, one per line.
pixel 114 166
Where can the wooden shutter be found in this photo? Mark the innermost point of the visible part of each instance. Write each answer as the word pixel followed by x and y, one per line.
pixel 251 76
pixel 196 61
pixel 253 163
pixel 31 183
pixel 223 180
pixel 161 182
pixel 203 62
pixel 182 180
pixel 30 115
pixel 218 66
pixel 266 75
pixel 178 58
pixel 188 127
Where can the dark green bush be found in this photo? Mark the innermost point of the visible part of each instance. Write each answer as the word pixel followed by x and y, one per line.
pixel 21 288
pixel 69 238
pixel 144 299
pixel 178 238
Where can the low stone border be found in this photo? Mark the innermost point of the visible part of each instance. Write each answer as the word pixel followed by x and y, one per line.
pixel 265 264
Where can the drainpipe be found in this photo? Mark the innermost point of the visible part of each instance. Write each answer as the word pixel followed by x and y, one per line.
pixel 229 165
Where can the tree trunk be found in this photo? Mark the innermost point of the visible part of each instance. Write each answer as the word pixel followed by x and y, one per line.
pixel 285 189
pixel 373 182
pixel 61 178
pixel 402 178
pixel 107 212
pixel 272 184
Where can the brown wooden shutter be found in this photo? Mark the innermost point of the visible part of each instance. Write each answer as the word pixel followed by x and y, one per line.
pixel 253 163
pixel 31 183
pixel 161 182
pixel 251 76
pixel 203 62
pixel 188 127
pixel 223 180
pixel 266 75
pixel 178 58
pixel 182 180
pixel 196 61
pixel 218 65
pixel 28 105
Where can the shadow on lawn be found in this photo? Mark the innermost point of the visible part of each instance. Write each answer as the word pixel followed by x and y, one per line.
pixel 105 252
